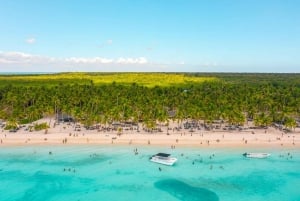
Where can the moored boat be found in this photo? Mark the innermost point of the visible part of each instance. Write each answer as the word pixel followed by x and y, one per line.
pixel 163 158
pixel 256 155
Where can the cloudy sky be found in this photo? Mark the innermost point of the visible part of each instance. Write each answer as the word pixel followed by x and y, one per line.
pixel 150 35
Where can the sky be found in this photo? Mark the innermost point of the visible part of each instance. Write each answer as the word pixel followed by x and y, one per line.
pixel 150 35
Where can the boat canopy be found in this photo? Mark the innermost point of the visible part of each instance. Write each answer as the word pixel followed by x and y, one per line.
pixel 163 155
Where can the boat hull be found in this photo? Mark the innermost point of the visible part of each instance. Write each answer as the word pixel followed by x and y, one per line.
pixel 256 155
pixel 169 162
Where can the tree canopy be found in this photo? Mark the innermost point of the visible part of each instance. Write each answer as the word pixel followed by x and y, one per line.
pixel 234 98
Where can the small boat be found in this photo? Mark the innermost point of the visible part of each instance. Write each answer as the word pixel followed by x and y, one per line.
pixel 256 155
pixel 163 158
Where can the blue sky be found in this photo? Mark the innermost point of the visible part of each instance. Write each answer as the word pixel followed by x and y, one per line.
pixel 150 35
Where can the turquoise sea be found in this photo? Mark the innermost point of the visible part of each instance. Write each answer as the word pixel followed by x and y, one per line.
pixel 115 173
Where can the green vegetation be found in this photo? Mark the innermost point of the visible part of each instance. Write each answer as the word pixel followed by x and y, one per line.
pixel 41 126
pixel 144 79
pixel 11 125
pixel 153 97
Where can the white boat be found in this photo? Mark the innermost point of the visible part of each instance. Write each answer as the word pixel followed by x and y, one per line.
pixel 163 158
pixel 256 155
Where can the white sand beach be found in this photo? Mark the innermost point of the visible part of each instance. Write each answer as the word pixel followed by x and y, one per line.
pixel 66 134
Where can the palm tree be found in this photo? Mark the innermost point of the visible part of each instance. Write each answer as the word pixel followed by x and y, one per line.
pixel 290 123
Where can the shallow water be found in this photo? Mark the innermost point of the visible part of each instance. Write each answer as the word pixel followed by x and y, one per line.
pixel 116 173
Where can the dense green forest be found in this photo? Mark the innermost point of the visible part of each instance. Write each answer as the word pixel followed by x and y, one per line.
pixel 154 97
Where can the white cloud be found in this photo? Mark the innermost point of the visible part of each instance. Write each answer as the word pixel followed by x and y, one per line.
pixel 20 61
pixel 94 60
pixel 30 59
pixel 22 58
pixel 106 43
pixel 140 60
pixel 209 64
pixel 109 42
pixel 30 40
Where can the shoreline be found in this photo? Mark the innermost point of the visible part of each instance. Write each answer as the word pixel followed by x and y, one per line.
pixel 204 140
pixel 68 134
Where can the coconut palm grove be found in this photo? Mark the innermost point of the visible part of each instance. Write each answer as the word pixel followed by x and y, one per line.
pixel 149 98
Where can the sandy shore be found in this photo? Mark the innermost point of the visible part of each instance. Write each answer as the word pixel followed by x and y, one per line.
pixel 64 134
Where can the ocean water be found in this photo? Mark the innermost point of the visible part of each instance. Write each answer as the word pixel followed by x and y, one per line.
pixel 114 173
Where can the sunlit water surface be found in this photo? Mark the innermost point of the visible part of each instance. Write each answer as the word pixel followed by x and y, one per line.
pixel 74 173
